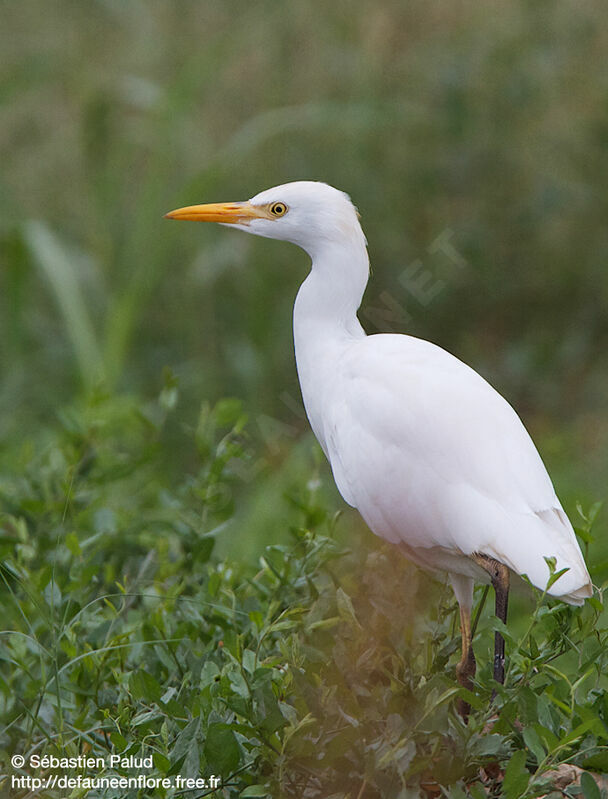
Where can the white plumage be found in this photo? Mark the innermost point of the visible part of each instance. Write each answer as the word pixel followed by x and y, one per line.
pixel 435 460
pixel 438 461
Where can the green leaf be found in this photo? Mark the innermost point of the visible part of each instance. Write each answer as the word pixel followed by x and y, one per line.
pixel 595 509
pixel 595 603
pixel 534 744
pixel 161 762
pixel 475 701
pixel 489 745
pixel 584 534
pixel 534 653
pixel 516 777
pixel 209 673
pixel 253 791
pixel 73 544
pixel 590 787
pixel 221 749
pixel 120 743
pixel 258 619
pixel 477 792
pixel 267 712
pixel 228 411
pixel 499 626
pixel 237 681
pixel 346 609
pixel 146 717
pixel 185 755
pixel 215 580
pixel 597 761
pixel 583 728
pixel 555 577
pixel 551 563
pixel 143 686
pixel 548 739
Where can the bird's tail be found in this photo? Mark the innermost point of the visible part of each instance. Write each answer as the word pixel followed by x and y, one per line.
pixel 548 537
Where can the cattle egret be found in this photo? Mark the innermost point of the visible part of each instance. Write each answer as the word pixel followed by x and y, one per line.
pixel 434 459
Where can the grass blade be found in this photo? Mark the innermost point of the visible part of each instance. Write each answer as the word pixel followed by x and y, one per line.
pixel 54 260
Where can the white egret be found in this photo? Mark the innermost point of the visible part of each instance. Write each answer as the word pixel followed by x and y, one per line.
pixel 434 459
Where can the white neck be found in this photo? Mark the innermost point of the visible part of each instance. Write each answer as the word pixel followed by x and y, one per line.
pixel 325 317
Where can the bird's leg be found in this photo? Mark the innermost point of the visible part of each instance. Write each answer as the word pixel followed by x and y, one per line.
pixel 465 670
pixel 499 575
pixel 501 589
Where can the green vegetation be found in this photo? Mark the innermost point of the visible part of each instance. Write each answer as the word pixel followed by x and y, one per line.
pixel 322 672
pixel 175 577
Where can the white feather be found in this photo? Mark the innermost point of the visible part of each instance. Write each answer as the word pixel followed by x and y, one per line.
pixel 433 457
pixel 435 460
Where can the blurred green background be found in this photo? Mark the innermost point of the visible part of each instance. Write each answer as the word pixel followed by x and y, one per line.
pixel 473 139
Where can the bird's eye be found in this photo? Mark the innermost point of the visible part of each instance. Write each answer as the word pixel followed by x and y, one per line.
pixel 278 209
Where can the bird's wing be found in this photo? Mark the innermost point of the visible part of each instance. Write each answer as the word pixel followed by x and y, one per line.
pixel 433 456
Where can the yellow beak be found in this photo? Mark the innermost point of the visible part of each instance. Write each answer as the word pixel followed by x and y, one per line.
pixel 227 213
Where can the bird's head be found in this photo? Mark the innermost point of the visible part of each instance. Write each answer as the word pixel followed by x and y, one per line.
pixel 307 213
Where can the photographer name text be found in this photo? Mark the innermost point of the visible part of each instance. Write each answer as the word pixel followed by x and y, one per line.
pixel 82 761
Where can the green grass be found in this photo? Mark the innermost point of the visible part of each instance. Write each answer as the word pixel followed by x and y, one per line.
pixel 327 669
pixel 138 530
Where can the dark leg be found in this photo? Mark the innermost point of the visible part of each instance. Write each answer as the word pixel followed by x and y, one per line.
pixel 501 588
pixel 499 574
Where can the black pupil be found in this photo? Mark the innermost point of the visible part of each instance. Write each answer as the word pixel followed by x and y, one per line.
pixel 278 209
